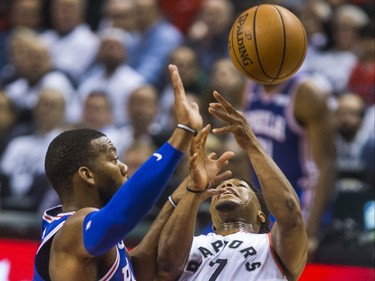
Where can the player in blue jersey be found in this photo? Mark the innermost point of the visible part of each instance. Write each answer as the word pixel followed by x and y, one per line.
pixel 82 238
pixel 242 247
pixel 295 124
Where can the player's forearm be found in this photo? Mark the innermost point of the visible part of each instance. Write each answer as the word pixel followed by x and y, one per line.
pixel 280 197
pixel 103 229
pixel 323 191
pixel 176 238
pixel 144 256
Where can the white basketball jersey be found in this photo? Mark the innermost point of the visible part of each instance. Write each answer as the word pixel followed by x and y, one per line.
pixel 237 257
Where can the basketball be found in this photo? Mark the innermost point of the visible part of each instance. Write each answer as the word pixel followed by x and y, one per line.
pixel 267 43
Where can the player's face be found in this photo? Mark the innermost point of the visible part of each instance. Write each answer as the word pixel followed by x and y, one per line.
pixel 110 173
pixel 237 203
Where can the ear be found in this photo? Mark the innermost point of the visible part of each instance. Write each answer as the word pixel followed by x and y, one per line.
pixel 86 175
pixel 214 228
pixel 261 217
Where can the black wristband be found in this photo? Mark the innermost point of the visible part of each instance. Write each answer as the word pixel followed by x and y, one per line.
pixel 194 191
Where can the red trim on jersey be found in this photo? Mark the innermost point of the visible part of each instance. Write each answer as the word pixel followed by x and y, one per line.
pixel 113 269
pixel 47 217
pixel 275 256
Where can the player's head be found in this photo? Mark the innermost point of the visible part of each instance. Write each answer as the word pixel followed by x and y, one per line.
pixel 84 162
pixel 241 202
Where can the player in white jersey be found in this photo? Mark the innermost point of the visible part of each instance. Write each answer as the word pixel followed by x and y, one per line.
pixel 242 247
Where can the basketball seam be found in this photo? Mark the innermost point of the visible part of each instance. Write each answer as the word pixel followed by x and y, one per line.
pixel 256 46
pixel 234 53
pixel 284 35
pixel 298 65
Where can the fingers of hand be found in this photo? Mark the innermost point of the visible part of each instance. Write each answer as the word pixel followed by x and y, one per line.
pixel 225 157
pixel 192 146
pixel 193 160
pixel 206 131
pixel 222 130
pixel 222 176
pixel 212 156
pixel 228 107
pixel 176 81
pixel 212 192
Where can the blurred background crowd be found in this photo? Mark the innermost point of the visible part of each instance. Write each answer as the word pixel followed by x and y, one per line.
pixel 102 64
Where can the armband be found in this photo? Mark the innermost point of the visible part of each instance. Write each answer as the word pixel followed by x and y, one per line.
pixel 194 191
pixel 187 128
pixel 170 199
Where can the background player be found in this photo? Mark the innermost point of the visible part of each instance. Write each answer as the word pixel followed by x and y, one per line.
pixel 295 124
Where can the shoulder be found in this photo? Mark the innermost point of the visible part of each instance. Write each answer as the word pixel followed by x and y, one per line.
pixel 83 34
pixel 16 87
pixel 127 71
pixel 168 31
pixel 311 103
pixel 69 238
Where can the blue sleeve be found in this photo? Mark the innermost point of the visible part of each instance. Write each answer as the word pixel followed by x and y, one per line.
pixel 104 228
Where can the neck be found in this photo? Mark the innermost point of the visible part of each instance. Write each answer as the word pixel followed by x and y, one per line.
pixel 234 227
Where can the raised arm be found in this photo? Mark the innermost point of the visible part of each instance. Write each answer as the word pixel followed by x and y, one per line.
pixel 177 236
pixel 104 228
pixel 288 234
pixel 312 109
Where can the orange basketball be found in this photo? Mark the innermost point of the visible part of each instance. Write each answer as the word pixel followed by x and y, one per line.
pixel 267 43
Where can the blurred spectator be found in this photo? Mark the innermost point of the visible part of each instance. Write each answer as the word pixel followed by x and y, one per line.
pixel 192 77
pixel 317 39
pixel 208 34
pixel 362 77
pixel 354 144
pixel 9 127
pixel 227 80
pixel 35 70
pixel 158 39
pixel 27 13
pixel 112 75
pixel 347 21
pixel 231 84
pixel 141 106
pixel 23 14
pixel 294 122
pixel 98 115
pixel 72 44
pixel 136 154
pixel 23 159
pixel 349 237
pixel 121 14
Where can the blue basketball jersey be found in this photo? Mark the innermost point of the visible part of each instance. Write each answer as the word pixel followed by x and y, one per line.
pixel 271 116
pixel 52 221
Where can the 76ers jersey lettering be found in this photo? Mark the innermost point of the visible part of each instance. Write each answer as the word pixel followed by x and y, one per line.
pixel 272 118
pixel 240 256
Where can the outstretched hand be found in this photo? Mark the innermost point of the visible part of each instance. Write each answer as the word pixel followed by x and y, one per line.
pixel 187 113
pixel 236 121
pixel 205 170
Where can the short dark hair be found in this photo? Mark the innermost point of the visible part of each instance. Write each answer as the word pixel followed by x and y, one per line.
pixel 266 225
pixel 66 154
